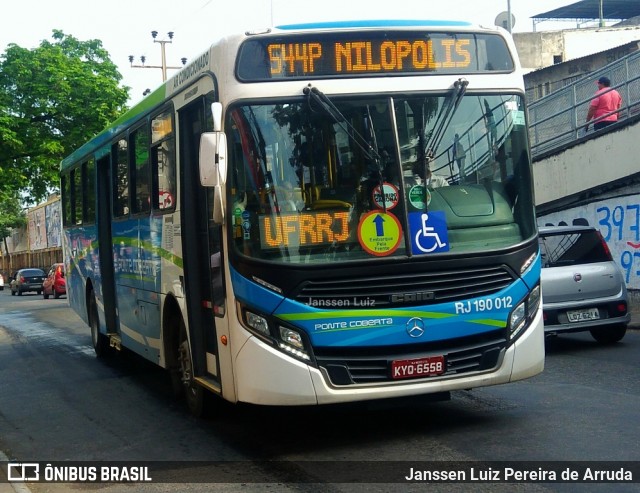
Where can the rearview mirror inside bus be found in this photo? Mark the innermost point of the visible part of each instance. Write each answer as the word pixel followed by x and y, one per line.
pixel 213 162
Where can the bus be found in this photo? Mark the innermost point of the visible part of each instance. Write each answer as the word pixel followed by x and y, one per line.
pixel 315 214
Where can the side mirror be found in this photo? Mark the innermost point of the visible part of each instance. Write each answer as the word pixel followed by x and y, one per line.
pixel 213 158
pixel 216 114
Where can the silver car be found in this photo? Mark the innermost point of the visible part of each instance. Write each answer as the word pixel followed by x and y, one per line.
pixel 582 287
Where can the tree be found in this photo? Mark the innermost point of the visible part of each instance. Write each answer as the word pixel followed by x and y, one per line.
pixel 53 98
pixel 11 216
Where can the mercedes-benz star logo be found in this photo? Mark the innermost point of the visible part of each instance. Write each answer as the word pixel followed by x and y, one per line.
pixel 415 327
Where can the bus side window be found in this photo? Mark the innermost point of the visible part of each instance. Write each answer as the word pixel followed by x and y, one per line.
pixel 121 179
pixel 140 171
pixel 163 168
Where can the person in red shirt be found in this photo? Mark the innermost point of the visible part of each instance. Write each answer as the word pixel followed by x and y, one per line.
pixel 605 104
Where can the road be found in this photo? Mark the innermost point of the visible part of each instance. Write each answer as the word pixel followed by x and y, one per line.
pixel 59 403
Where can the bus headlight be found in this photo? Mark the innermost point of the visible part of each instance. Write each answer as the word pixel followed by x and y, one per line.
pixel 257 323
pixel 287 339
pixel 517 320
pixel 523 314
pixel 292 342
pixel 291 337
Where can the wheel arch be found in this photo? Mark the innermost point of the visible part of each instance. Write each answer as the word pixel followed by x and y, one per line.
pixel 88 292
pixel 171 315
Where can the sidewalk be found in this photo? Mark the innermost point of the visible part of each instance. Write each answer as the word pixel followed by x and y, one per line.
pixel 5 486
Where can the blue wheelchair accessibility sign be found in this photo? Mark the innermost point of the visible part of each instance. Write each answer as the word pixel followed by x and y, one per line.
pixel 428 232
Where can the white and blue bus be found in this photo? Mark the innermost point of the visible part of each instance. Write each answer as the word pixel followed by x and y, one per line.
pixel 315 214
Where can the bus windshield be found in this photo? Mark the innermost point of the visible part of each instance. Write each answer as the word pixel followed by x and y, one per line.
pixel 355 178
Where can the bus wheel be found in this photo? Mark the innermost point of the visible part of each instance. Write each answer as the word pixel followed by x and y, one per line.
pixel 194 393
pixel 99 341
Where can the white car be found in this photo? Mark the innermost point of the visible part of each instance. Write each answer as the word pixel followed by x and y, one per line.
pixel 583 289
pixel 1 282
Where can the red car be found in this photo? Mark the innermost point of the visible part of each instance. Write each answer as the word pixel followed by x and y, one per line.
pixel 55 283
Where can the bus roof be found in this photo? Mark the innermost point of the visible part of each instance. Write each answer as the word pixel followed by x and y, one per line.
pixel 374 23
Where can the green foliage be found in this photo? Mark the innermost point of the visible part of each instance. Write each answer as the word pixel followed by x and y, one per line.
pixel 53 98
pixel 11 214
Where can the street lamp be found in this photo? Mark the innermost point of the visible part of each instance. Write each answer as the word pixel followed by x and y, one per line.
pixel 163 66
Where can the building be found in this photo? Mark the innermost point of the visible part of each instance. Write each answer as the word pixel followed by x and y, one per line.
pixel 39 243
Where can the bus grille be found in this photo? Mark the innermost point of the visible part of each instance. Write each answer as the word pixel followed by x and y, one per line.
pixel 349 366
pixel 405 289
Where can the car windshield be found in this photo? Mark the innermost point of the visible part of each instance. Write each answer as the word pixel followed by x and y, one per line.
pixel 345 179
pixel 31 273
pixel 573 248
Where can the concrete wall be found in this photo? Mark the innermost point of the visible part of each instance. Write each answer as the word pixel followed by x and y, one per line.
pixel 537 49
pixel 587 165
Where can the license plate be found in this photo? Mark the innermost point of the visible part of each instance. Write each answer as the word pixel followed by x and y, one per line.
pixel 420 367
pixel 581 315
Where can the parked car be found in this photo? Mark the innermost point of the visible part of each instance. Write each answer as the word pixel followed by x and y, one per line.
pixel 26 280
pixel 55 283
pixel 1 282
pixel 583 289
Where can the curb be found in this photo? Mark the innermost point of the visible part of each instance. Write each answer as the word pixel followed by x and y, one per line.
pixel 5 485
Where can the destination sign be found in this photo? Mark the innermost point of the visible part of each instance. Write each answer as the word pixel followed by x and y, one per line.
pixel 364 53
pixel 304 229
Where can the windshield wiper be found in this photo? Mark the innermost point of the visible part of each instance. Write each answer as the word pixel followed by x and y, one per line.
pixel 370 150
pixel 443 119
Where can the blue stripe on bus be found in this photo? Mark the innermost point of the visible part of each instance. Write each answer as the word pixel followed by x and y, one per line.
pixel 374 23
pixel 368 326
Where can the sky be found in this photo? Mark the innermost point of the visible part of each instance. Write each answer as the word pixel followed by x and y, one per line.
pixel 124 26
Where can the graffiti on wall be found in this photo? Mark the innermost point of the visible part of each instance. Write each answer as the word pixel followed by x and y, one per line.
pixel 37 229
pixel 54 224
pixel 618 219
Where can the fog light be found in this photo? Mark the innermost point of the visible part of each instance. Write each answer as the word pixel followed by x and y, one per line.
pixel 257 323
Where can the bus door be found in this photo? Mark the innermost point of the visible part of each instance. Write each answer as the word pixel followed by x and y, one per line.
pixel 106 278
pixel 201 244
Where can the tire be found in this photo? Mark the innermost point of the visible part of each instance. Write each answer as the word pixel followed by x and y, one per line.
pixel 19 292
pixel 100 341
pixel 609 335
pixel 44 294
pixel 193 392
pixel 56 295
pixel 13 293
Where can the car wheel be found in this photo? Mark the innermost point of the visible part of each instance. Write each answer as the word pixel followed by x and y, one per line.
pixel 609 335
pixel 19 292
pixel 13 293
pixel 100 341
pixel 45 295
pixel 56 295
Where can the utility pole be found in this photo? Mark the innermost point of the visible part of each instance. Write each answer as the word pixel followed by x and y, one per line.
pixel 163 66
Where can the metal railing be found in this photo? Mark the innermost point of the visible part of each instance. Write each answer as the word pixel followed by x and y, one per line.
pixel 559 118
